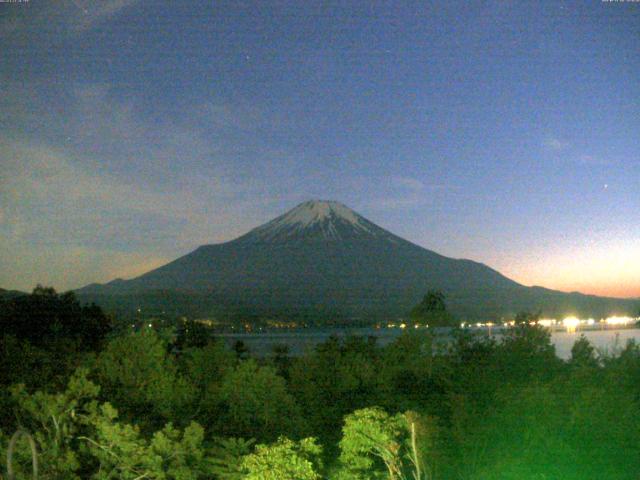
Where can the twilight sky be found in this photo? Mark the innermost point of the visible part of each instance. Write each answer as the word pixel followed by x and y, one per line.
pixel 506 132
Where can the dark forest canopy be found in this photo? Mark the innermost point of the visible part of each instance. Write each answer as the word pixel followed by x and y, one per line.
pixel 45 316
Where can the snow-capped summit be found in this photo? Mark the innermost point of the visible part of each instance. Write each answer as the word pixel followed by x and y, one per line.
pixel 317 211
pixel 329 219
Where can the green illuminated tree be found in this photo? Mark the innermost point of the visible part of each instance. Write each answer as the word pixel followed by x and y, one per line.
pixel 254 402
pixel 140 377
pixel 376 445
pixel 79 438
pixel 284 460
pixel 227 456
pixel 56 420
pixel 123 453
pixel 336 379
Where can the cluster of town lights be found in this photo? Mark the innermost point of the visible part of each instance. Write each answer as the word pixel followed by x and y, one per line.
pixel 573 322
pixel 570 322
pixel 404 325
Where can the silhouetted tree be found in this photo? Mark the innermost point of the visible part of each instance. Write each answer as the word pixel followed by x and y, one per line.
pixel 583 354
pixel 241 349
pixel 526 354
pixel 46 316
pixel 192 334
pixel 525 317
pixel 432 310
pixel 281 359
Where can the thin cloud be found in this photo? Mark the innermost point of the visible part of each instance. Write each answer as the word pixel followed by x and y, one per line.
pixel 571 156
pixel 59 17
pixel 590 160
pixel 69 268
pixel 50 199
pixel 412 184
pixel 107 193
pixel 58 195
pixel 555 144
pixel 403 192
pixel 93 12
pixel 81 15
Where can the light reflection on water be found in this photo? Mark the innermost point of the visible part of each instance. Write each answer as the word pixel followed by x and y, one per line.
pixel 299 341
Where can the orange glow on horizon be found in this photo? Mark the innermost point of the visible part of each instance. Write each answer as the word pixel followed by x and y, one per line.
pixel 616 290
pixel 624 291
pixel 607 268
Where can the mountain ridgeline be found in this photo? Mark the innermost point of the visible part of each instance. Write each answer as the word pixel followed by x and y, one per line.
pixel 324 261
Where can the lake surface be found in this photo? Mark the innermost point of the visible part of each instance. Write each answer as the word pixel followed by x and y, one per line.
pixel 604 340
pixel 300 341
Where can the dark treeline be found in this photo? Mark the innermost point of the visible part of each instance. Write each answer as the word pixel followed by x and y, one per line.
pixel 173 404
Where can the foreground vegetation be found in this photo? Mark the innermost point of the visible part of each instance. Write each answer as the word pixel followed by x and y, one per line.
pixel 154 404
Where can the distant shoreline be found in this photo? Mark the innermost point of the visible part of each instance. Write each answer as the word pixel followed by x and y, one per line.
pixel 382 331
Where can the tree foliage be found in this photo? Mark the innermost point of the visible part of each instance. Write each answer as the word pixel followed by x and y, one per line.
pixel 375 444
pixel 583 354
pixel 124 454
pixel 141 378
pixel 432 311
pixel 254 402
pixel 45 317
pixel 477 407
pixel 56 420
pixel 227 456
pixel 284 460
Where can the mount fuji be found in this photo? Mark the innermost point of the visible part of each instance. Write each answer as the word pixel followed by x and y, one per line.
pixel 323 261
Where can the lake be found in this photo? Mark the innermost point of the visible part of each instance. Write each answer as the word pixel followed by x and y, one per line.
pixel 300 341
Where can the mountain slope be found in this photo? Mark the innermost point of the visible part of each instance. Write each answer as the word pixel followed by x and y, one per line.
pixel 9 294
pixel 324 258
